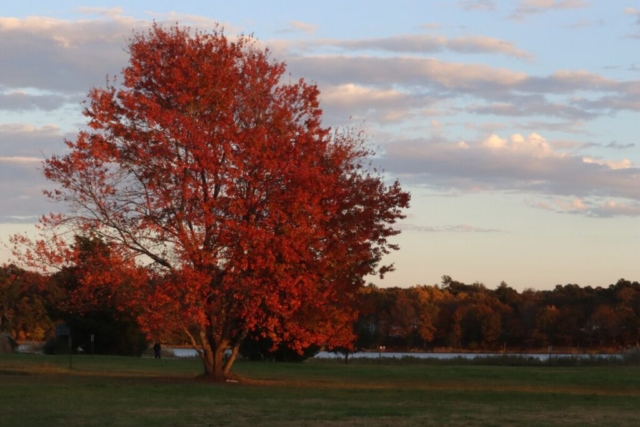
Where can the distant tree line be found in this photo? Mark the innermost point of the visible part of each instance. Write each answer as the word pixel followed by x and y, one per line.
pixel 451 315
pixel 471 317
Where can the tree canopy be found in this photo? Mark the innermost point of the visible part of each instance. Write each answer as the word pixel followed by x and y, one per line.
pixel 209 168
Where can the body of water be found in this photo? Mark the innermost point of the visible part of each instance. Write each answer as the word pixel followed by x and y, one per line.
pixel 183 352
pixel 189 352
pixel 400 355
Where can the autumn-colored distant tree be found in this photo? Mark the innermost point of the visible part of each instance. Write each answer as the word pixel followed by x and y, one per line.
pixel 209 167
pixel 95 284
pixel 426 299
pixel 547 321
pixel 628 299
pixel 403 316
pixel 23 304
pixel 372 325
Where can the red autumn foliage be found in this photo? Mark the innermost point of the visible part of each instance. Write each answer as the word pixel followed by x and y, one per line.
pixel 205 166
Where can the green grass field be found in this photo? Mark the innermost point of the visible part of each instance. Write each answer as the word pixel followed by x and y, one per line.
pixel 37 390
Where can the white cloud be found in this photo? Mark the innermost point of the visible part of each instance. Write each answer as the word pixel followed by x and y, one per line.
pixel 613 208
pixel 19 100
pixel 416 72
pixel 21 185
pixel 613 164
pixel 582 78
pixel 198 22
pixel 72 56
pixel 361 102
pixel 354 96
pixel 304 27
pixel 527 165
pixel 571 95
pixel 112 13
pixel 23 149
pixel 57 55
pixel 563 205
pixel 614 103
pixel 591 208
pixel 575 127
pixel 16 159
pixel 533 145
pixel 532 106
pixel 494 141
pixel 20 140
pixel 468 78
pixel 565 81
pixel 578 204
pixel 633 12
pixel 298 27
pixel 423 44
pixel 459 228
pixel 480 44
pixel 528 7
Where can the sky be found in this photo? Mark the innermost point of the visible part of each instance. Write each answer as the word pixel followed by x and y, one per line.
pixel 514 124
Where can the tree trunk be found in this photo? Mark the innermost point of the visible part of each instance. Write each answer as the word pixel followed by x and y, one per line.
pixel 214 366
pixel 231 359
pixel 234 353
pixel 212 355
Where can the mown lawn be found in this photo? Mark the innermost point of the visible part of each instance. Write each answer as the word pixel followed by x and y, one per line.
pixel 38 390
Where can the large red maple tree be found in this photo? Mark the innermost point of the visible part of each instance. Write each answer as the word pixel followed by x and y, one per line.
pixel 216 174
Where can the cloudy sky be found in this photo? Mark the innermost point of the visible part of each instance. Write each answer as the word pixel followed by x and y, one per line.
pixel 514 124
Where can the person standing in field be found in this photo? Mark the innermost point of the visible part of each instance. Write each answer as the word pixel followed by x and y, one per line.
pixel 157 349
